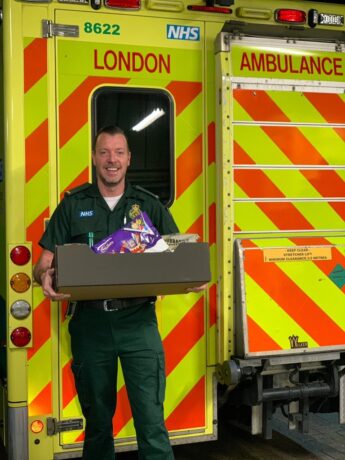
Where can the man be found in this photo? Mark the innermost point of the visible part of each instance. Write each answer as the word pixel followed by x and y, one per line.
pixel 103 331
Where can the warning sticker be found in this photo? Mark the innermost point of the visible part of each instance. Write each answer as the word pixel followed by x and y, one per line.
pixel 297 254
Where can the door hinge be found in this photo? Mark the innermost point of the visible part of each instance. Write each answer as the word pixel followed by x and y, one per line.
pixel 49 29
pixel 55 426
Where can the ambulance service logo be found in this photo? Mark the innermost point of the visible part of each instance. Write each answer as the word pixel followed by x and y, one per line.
pixel 134 211
pixel 178 32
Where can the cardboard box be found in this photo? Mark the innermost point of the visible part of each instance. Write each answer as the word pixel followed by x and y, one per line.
pixel 87 275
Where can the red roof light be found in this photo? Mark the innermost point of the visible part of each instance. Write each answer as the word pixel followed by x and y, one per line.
pixel 123 4
pixel 290 16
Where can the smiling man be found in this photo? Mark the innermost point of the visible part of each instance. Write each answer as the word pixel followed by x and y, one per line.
pixel 103 331
pixel 111 158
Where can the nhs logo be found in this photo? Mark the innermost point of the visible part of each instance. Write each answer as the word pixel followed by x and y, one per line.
pixel 86 213
pixel 175 32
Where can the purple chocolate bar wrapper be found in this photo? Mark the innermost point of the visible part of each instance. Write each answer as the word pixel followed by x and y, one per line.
pixel 138 235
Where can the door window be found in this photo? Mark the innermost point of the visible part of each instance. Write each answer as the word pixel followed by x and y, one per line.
pixel 146 116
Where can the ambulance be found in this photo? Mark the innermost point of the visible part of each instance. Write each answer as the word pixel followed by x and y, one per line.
pixel 235 112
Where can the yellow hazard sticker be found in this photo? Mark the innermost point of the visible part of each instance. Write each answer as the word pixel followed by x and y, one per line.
pixel 297 254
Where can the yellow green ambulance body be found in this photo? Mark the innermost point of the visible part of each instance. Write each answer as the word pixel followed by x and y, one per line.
pixel 253 162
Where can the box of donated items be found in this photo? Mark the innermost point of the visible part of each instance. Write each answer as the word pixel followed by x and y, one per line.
pixel 135 261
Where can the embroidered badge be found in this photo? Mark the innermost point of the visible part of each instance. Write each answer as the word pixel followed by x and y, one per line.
pixel 86 213
pixel 134 211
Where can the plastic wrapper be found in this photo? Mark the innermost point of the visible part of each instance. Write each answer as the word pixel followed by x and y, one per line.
pixel 138 235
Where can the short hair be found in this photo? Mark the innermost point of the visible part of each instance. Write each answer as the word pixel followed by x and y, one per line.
pixel 110 129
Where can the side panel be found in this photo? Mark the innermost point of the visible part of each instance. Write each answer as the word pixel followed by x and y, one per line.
pixel 302 310
pixel 281 173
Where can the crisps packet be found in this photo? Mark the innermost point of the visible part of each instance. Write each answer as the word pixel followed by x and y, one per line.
pixel 138 235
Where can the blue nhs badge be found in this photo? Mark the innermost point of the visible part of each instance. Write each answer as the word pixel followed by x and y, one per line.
pixel 175 32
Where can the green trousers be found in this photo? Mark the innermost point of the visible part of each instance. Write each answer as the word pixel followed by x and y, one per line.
pixel 98 340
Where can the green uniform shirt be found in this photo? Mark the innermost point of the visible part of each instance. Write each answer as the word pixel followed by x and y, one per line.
pixel 84 211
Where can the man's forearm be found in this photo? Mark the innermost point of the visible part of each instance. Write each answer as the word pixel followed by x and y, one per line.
pixel 44 263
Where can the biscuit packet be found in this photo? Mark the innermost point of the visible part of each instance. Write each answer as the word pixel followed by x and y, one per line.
pixel 138 235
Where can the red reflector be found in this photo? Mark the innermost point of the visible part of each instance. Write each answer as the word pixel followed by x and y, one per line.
pixel 20 255
pixel 21 336
pixel 291 16
pixel 126 4
pixel 209 9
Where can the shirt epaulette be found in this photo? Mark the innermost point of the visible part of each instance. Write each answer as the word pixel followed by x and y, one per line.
pixel 78 189
pixel 142 189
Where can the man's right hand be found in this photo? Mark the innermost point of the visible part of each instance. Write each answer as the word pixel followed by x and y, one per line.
pixel 44 274
pixel 47 286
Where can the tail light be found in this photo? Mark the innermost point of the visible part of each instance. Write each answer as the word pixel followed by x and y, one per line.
pixel 20 255
pixel 123 4
pixel 20 309
pixel 19 296
pixel 21 336
pixel 20 282
pixel 288 16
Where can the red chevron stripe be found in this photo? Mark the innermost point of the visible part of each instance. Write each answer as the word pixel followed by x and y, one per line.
pixel 35 62
pixel 198 228
pixel 36 150
pixel 178 343
pixel 190 413
pixel 212 224
pixel 189 166
pixel 258 340
pixel 303 310
pixel 73 111
pixel 211 143
pixel 261 107
pixel 212 296
pixel 80 438
pixel 34 232
pixel 256 184
pixel 184 92
pixel 285 216
pixel 68 387
pixel 79 180
pixel 241 156
pixel 327 183
pixel 294 145
pixel 41 326
pixel 42 404
pixel 339 208
pixel 330 106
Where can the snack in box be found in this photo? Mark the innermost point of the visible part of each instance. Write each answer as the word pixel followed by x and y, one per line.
pixel 138 235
